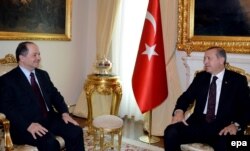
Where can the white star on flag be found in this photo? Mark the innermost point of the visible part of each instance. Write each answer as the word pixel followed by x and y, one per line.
pixel 150 51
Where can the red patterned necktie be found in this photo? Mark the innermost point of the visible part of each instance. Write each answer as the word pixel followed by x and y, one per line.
pixel 38 93
pixel 210 116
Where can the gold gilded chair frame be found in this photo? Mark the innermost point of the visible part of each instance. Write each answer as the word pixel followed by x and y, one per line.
pixel 8 59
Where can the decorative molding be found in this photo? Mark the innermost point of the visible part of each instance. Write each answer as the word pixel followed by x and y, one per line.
pixel 194 62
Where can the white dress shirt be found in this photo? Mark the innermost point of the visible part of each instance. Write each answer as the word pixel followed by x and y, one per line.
pixel 218 90
pixel 27 74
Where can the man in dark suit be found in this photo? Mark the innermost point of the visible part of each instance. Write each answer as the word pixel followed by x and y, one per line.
pixel 229 114
pixel 33 118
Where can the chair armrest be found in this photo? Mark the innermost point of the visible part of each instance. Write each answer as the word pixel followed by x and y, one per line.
pixel 247 131
pixel 6 127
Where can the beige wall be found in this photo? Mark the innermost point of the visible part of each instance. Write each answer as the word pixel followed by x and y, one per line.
pixel 68 62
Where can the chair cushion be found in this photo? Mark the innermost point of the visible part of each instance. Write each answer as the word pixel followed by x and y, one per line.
pixel 196 147
pixel 108 122
pixel 32 148
pixel 27 147
pixel 24 148
pixel 1 140
pixel 4 68
pixel 61 141
pixel 2 116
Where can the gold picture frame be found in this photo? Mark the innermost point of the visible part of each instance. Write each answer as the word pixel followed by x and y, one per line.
pixel 188 41
pixel 36 20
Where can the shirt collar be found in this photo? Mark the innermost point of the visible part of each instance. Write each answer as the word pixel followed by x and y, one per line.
pixel 220 75
pixel 26 72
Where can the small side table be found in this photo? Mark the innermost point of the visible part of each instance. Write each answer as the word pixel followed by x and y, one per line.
pixel 106 84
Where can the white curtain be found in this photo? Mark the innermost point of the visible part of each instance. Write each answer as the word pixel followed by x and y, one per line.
pixel 125 45
pixel 106 16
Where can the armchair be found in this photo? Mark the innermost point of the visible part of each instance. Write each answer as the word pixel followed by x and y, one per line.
pixel 6 64
pixel 205 147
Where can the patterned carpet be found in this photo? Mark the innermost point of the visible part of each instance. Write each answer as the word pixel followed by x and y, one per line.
pixel 127 144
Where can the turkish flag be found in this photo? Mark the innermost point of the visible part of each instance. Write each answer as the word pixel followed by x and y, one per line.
pixel 149 79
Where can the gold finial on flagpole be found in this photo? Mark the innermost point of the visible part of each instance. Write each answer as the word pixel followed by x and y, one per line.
pixel 149 138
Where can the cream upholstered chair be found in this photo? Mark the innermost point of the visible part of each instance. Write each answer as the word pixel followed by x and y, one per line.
pixel 205 147
pixel 105 126
pixel 6 64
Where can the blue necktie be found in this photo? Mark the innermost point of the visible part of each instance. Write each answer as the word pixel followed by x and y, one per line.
pixel 38 93
pixel 210 116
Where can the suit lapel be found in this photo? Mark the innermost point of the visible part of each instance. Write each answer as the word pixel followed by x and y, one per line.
pixel 24 83
pixel 42 85
pixel 224 91
pixel 205 89
pixel 23 80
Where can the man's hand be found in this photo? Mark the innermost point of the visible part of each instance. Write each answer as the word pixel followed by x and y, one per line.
pixel 179 117
pixel 67 118
pixel 230 129
pixel 36 128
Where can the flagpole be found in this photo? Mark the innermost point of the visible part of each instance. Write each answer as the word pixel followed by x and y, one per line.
pixel 149 138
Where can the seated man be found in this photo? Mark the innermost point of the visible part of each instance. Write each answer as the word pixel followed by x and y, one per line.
pixel 221 107
pixel 27 98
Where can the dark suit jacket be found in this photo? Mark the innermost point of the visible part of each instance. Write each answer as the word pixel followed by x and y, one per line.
pixel 18 101
pixel 233 102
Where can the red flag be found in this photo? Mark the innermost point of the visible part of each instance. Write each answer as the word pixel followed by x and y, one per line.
pixel 149 79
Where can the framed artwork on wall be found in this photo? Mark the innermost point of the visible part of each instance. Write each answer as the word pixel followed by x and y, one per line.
pixel 206 23
pixel 35 19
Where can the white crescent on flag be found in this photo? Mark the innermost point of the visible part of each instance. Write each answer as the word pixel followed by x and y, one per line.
pixel 151 19
pixel 150 50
